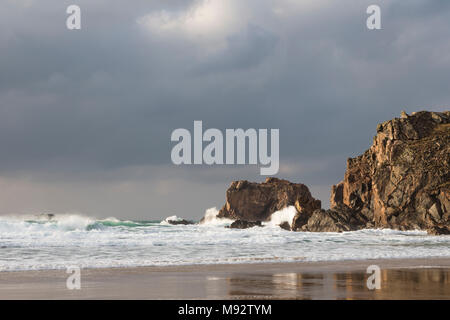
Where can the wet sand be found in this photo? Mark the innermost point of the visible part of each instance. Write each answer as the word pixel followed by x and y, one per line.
pixel 400 279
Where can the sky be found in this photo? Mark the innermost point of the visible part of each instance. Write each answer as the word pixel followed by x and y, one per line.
pixel 86 115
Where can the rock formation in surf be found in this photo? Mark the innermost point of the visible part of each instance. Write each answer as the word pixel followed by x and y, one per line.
pixel 251 202
pixel 401 182
pixel 180 222
pixel 242 224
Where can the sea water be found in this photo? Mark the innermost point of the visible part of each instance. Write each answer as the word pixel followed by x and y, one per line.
pixel 31 243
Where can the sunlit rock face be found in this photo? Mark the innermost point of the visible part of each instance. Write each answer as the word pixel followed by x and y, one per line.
pixel 403 180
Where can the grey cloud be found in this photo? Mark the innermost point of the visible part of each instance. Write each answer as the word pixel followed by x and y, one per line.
pixel 87 106
pixel 244 50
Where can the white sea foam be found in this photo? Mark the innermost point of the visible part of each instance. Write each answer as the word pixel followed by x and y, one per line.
pixel 63 222
pixel 171 218
pixel 210 218
pixel 284 215
pixel 79 240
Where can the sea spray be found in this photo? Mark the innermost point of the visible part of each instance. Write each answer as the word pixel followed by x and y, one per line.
pixel 210 218
pixel 171 218
pixel 284 215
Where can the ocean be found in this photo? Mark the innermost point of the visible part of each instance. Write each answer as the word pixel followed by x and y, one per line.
pixel 66 240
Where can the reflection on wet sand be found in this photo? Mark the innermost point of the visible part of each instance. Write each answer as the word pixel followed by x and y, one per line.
pixel 395 284
pixel 400 279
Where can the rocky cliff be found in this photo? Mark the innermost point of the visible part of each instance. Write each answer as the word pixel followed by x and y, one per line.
pixel 401 182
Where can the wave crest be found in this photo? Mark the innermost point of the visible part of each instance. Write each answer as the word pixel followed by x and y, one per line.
pixel 284 215
pixel 210 218
pixel 57 222
pixel 171 218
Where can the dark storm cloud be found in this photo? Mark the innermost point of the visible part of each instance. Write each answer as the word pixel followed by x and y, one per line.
pixel 86 105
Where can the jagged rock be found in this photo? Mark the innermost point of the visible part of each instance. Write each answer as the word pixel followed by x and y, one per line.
pixel 341 219
pixel 403 180
pixel 241 224
pixel 437 230
pixel 300 219
pixel 403 115
pixel 250 201
pixel 180 222
pixel 286 226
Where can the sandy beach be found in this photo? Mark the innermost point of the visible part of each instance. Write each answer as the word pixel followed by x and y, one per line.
pixel 400 279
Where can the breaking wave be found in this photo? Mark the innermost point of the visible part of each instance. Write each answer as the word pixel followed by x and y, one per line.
pixel 210 218
pixel 62 223
pixel 284 215
pixel 171 218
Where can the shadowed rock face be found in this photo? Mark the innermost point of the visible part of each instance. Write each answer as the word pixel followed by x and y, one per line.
pixel 180 222
pixel 403 180
pixel 250 201
pixel 338 220
pixel 241 224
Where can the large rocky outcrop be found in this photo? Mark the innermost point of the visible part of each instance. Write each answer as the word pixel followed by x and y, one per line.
pixel 403 180
pixel 250 201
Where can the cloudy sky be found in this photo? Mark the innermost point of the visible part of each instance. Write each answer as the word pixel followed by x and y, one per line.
pixel 86 115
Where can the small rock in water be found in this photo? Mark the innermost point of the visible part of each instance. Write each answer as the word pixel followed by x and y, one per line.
pixel 180 222
pixel 242 224
pixel 286 226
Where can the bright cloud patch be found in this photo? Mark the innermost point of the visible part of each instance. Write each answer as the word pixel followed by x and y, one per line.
pixel 205 20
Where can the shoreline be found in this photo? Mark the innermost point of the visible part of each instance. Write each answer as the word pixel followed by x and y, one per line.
pixel 424 278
